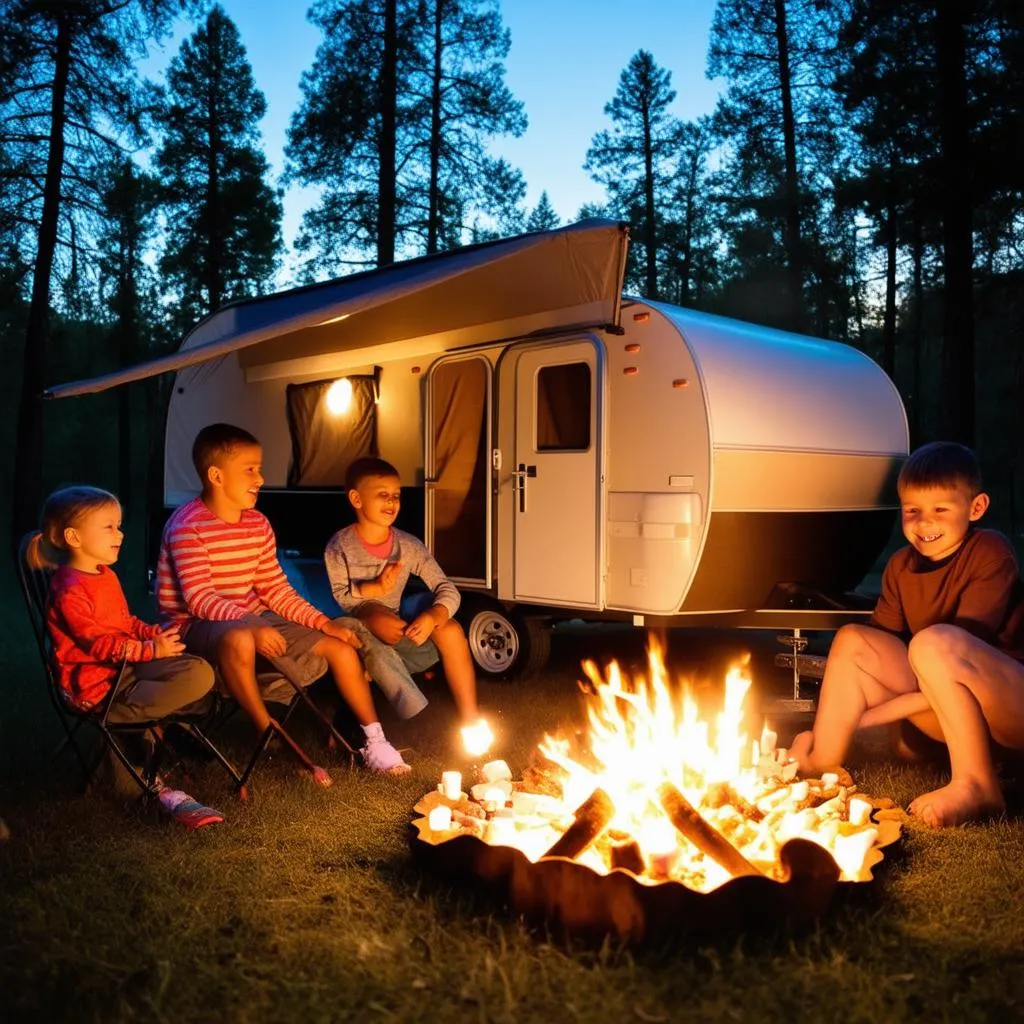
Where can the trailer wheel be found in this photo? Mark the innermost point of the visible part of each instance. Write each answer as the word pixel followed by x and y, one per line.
pixel 505 644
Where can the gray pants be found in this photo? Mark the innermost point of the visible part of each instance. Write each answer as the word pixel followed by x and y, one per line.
pixel 151 690
pixel 388 670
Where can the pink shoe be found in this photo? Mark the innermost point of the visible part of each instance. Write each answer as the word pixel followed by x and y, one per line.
pixel 380 756
pixel 188 811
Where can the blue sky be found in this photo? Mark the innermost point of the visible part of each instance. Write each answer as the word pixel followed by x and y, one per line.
pixel 564 65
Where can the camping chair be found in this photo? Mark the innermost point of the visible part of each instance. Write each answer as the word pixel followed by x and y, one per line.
pixel 34 575
pixel 288 703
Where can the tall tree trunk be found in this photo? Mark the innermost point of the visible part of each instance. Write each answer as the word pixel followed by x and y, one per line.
pixel 688 228
pixel 434 198
pixel 957 241
pixel 794 251
pixel 891 238
pixel 128 345
pixel 388 137
pixel 855 283
pixel 917 322
pixel 28 457
pixel 214 230
pixel 650 241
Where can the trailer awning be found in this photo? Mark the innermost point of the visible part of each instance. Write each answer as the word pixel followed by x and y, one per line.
pixel 570 277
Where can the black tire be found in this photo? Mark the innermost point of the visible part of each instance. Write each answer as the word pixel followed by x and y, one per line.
pixel 504 643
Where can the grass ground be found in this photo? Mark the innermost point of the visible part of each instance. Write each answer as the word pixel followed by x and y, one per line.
pixel 305 905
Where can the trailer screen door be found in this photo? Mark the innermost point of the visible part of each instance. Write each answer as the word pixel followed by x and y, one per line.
pixel 556 475
pixel 458 495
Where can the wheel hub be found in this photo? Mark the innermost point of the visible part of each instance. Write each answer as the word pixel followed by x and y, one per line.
pixel 494 641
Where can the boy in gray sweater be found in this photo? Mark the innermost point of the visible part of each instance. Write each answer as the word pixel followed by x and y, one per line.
pixel 369 564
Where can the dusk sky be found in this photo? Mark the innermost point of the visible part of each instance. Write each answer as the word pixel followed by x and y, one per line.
pixel 564 65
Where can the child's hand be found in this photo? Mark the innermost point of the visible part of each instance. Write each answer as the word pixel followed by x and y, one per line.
pixel 383 623
pixel 388 576
pixel 342 633
pixel 167 643
pixel 269 642
pixel 420 629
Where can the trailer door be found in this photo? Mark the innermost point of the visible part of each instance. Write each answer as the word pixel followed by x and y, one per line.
pixel 458 445
pixel 557 475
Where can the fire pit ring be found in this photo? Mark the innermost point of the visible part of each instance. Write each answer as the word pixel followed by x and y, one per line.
pixel 575 901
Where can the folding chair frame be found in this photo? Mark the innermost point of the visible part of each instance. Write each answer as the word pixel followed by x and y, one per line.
pixel 34 580
pixel 300 696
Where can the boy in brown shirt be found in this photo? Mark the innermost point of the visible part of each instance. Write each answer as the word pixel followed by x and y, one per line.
pixel 944 647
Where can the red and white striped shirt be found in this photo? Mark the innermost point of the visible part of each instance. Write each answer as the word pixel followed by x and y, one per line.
pixel 210 569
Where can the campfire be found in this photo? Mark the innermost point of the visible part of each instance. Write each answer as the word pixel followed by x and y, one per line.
pixel 658 792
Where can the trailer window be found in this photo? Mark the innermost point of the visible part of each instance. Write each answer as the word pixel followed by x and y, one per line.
pixel 563 408
pixel 325 441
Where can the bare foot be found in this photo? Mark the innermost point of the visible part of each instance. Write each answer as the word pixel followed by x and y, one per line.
pixel 961 801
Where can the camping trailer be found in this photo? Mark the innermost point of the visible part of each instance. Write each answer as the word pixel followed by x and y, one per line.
pixel 567 452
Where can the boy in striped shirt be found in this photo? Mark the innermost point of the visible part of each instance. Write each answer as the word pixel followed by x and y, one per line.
pixel 219 580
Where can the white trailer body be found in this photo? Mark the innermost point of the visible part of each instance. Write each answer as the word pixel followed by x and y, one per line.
pixel 577 453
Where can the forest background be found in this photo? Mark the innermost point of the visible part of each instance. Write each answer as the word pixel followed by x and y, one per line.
pixel 861 179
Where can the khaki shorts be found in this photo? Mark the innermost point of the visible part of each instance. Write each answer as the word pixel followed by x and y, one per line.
pixel 298 663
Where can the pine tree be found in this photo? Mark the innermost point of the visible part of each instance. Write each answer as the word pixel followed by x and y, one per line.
pixel 461 102
pixel 67 102
pixel 543 217
pixel 350 138
pixel 223 237
pixel 636 160
pixel 128 284
pixel 778 123
pixel 430 182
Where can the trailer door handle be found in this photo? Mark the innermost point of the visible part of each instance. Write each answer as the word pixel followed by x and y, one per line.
pixel 519 478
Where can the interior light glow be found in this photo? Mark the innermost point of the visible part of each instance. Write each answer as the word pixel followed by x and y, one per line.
pixel 339 396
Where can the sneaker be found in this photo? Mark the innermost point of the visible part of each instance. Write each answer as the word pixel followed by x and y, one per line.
pixel 188 811
pixel 380 756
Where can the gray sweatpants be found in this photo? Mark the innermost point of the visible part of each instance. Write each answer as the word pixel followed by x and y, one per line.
pixel 150 690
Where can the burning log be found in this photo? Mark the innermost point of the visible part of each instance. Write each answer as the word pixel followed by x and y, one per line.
pixel 710 842
pixel 722 793
pixel 624 852
pixel 592 818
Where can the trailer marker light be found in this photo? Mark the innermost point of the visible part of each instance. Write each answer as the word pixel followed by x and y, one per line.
pixel 680 382
pixel 642 317
pixel 633 347
pixel 631 371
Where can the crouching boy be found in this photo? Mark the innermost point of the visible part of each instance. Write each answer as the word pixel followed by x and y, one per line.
pixel 369 564
pixel 942 652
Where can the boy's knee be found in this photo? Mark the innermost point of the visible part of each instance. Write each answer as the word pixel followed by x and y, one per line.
pixel 938 643
pixel 450 633
pixel 337 650
pixel 848 641
pixel 237 643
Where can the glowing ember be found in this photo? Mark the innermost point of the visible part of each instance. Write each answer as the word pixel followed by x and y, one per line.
pixel 658 790
pixel 477 738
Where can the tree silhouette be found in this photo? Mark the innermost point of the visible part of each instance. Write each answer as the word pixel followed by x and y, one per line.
pixel 543 217
pixel 223 237
pixel 636 161
pixel 68 80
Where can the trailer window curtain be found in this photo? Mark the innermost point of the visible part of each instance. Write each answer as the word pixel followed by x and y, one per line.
pixel 563 408
pixel 459 491
pixel 326 442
